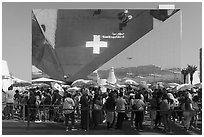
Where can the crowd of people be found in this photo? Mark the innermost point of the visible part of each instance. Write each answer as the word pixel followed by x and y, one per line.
pixel 91 107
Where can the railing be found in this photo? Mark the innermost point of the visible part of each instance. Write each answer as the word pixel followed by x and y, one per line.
pixel 89 110
pixel 57 107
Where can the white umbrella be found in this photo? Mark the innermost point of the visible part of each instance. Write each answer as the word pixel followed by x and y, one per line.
pixel 120 86
pixel 46 80
pixel 170 95
pixel 91 83
pixel 79 83
pixel 131 94
pixel 130 82
pixel 65 86
pixel 73 89
pixel 40 85
pixel 172 84
pixel 184 87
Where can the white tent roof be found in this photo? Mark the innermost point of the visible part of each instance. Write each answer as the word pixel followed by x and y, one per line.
pixel 46 80
pixel 5 69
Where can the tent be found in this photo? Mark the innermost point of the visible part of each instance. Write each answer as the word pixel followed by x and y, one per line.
pixel 46 80
pixel 6 78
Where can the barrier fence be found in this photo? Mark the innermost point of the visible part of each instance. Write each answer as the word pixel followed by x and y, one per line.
pixel 58 109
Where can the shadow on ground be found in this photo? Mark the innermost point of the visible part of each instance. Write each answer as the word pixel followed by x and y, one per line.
pixel 20 128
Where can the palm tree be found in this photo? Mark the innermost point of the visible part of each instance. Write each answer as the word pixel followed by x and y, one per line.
pixel 184 71
pixel 191 70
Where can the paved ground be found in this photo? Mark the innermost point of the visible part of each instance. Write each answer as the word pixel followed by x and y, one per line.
pixel 11 127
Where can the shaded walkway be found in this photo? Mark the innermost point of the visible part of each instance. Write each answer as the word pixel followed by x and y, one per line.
pixel 51 128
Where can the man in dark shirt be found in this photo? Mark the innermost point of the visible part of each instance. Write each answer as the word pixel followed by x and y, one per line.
pixel 84 101
pixel 110 109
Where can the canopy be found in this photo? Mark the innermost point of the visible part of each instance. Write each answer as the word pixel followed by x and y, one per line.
pixel 46 80
pixel 5 69
pixel 184 87
pixel 75 42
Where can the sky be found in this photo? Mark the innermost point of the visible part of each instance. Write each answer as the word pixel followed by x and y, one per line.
pixel 16 31
pixel 160 47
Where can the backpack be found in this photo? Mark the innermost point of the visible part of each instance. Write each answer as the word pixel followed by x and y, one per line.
pixel 137 106
pixel 67 106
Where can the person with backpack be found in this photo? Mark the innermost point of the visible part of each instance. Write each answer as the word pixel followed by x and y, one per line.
pixel 138 106
pixel 68 110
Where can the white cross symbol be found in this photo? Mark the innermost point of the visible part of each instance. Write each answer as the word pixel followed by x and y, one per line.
pixel 96 44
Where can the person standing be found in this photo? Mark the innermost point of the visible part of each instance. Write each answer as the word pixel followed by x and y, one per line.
pixel 187 112
pixel 158 116
pixel 32 106
pixel 110 110
pixel 68 110
pixel 139 106
pixel 194 121
pixel 120 107
pixel 97 110
pixel 84 101
pixel 165 113
pixel 10 102
pixel 153 109
pixel 132 112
